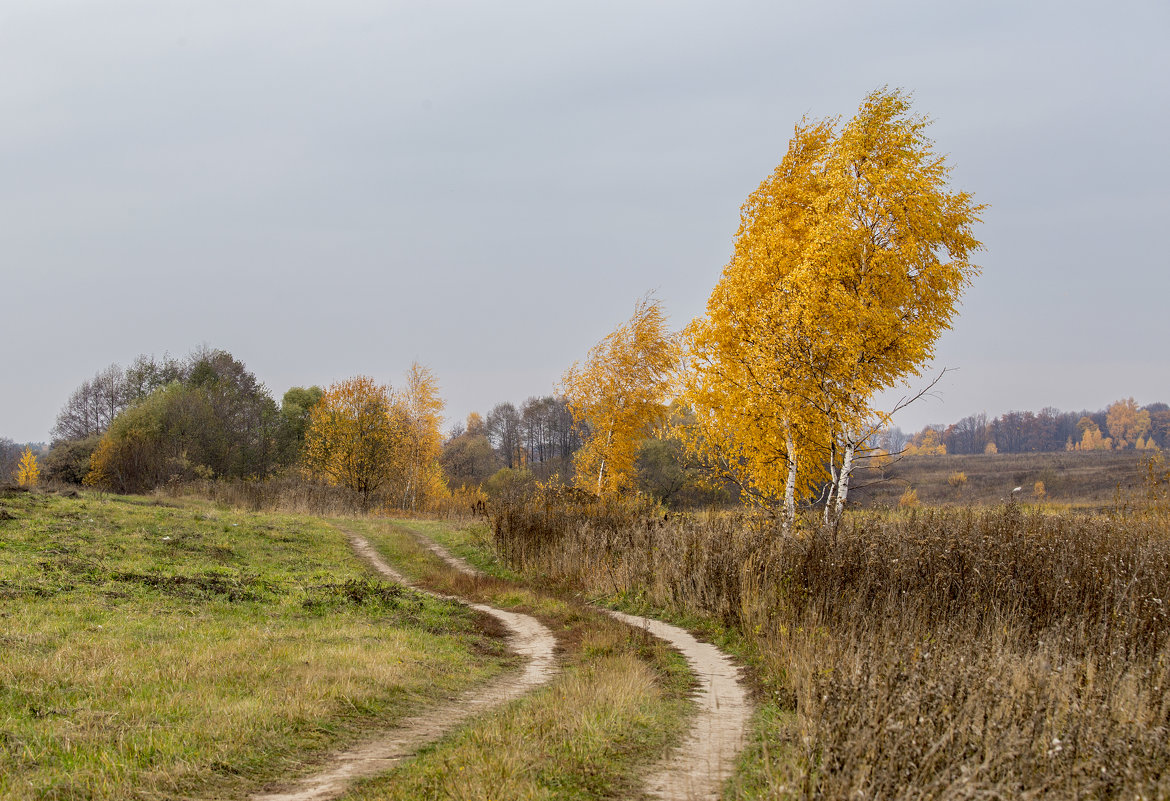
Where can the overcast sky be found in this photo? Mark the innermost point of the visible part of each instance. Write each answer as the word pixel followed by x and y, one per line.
pixel 327 189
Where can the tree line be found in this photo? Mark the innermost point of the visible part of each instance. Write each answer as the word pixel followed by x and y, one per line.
pixel 1123 424
pixel 164 421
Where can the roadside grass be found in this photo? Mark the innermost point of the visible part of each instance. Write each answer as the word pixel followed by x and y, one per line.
pixel 153 649
pixel 620 702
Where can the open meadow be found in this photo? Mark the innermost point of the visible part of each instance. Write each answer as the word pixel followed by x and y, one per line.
pixel 159 649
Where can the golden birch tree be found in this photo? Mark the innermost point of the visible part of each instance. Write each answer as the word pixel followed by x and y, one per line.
pixel 748 387
pixel 354 438
pixel 421 409
pixel 618 395
pixel 28 473
pixel 848 264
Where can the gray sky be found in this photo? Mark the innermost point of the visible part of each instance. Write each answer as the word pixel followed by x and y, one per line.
pixel 326 189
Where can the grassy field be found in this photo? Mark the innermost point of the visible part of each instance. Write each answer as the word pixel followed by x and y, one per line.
pixel 934 653
pixel 618 704
pixel 1094 479
pixel 153 650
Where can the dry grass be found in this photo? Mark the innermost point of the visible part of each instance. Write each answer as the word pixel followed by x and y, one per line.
pixel 927 654
pixel 1087 479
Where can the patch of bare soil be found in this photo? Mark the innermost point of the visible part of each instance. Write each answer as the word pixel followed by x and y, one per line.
pixel 705 760
pixel 527 637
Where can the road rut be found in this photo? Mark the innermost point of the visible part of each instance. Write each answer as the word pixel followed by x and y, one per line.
pixel 528 637
pixel 696 770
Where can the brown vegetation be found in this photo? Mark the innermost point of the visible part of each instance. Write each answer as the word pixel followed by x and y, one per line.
pixel 1092 479
pixel 929 653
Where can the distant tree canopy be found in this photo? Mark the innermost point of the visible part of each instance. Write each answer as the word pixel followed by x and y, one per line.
pixel 539 436
pixel 10 454
pixel 1122 425
pixel 214 419
pixel 167 419
pixel 93 406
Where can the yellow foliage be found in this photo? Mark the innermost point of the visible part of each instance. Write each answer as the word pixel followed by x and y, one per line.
pixel 1039 491
pixel 1126 422
pixel 957 480
pixel 421 410
pixel 909 499
pixel 848 264
pixel 927 443
pixel 1093 440
pixel 990 448
pixel 100 463
pixel 354 437
pixel 28 473
pixel 619 395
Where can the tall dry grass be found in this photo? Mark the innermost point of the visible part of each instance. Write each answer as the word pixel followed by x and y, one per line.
pixel 929 654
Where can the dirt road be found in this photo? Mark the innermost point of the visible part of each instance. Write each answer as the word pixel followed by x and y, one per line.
pixel 699 767
pixel 528 637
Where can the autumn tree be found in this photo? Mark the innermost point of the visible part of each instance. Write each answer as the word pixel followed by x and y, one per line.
pixel 1092 439
pixel 421 413
pixel 618 395
pixel 28 473
pixel 1126 422
pixel 927 443
pixel 848 265
pixel 353 437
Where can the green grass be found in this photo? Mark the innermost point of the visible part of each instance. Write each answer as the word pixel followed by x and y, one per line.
pixel 151 650
pixel 619 703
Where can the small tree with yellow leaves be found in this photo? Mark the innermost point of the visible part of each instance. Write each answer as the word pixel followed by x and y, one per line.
pixel 28 473
pixel 618 396
pixel 355 437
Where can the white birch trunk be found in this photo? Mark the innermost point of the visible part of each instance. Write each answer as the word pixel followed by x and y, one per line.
pixel 843 479
pixel 832 486
pixel 790 482
pixel 601 470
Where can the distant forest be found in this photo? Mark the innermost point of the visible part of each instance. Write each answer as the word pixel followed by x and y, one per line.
pixel 1122 425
